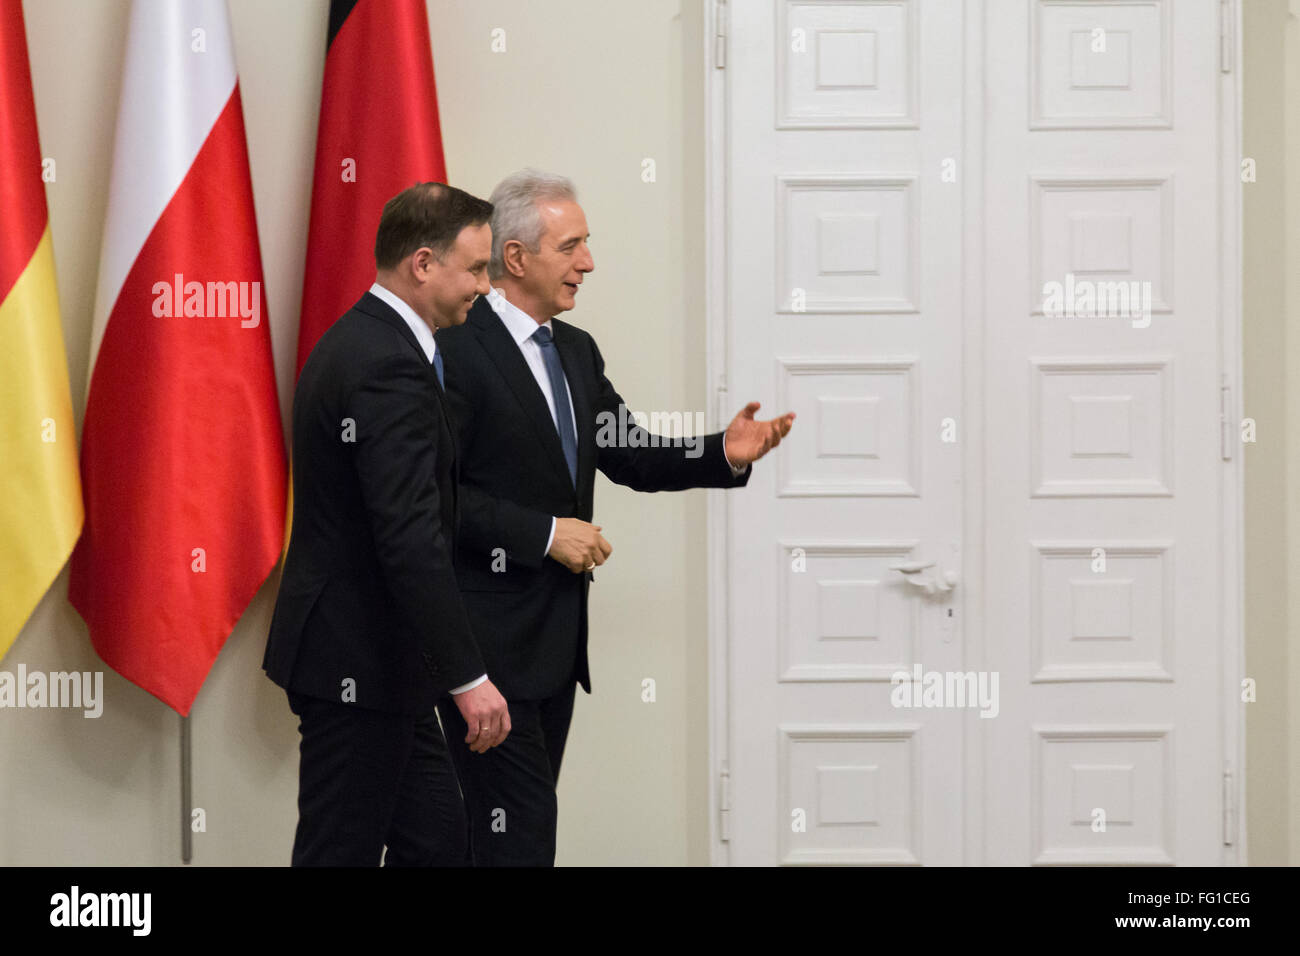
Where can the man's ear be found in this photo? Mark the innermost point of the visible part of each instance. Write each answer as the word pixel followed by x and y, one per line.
pixel 421 263
pixel 512 255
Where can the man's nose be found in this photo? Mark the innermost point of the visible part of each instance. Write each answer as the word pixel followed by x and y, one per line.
pixel 586 263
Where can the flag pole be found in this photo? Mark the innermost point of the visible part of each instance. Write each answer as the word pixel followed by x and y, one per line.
pixel 187 848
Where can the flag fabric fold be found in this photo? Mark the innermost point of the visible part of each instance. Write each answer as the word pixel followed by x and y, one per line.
pixel 182 455
pixel 40 489
pixel 378 133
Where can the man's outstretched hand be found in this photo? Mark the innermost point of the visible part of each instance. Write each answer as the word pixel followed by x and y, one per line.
pixel 748 440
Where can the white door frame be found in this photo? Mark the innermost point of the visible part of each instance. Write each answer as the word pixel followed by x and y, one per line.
pixel 1232 525
pixel 1232 521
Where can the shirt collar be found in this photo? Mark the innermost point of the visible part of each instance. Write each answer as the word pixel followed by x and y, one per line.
pixel 420 328
pixel 518 323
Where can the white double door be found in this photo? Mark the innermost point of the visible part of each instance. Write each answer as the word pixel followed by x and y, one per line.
pixel 1030 506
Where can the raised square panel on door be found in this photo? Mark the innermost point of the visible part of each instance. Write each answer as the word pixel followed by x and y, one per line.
pixel 1102 610
pixel 844 615
pixel 1101 64
pixel 1113 235
pixel 1103 795
pixel 846 64
pixel 859 427
pixel 1101 427
pixel 855 789
pixel 846 244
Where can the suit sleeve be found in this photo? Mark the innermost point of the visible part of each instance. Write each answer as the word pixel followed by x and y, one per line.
pixel 396 414
pixel 671 466
pixel 488 522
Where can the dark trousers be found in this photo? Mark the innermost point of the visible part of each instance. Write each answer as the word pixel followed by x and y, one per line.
pixel 369 779
pixel 510 789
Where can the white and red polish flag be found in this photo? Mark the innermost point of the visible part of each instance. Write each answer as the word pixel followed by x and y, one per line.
pixel 182 454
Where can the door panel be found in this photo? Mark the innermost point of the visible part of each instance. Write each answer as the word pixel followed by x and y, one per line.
pixel 843 241
pixel 909 266
pixel 1102 564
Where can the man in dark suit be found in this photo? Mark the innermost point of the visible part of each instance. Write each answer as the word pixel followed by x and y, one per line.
pixel 369 629
pixel 535 417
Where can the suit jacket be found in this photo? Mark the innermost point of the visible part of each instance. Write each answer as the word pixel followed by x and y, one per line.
pixel 531 617
pixel 369 591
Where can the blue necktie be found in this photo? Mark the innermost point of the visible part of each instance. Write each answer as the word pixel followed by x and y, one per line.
pixel 437 367
pixel 563 416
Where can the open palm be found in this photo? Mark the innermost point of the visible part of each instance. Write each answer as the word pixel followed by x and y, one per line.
pixel 748 439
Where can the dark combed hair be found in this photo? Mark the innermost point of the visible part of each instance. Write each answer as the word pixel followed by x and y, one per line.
pixel 426 214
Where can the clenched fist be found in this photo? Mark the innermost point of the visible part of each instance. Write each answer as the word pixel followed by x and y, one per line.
pixel 579 545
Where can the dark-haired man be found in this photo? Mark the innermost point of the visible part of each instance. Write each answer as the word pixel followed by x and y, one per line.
pixel 369 629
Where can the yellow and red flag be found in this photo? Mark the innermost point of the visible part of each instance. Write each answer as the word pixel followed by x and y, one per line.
pixel 40 492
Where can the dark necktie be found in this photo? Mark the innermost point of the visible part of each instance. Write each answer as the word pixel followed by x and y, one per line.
pixel 437 367
pixel 560 393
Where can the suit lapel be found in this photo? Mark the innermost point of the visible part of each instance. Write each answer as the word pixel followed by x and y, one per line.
pixel 447 430
pixel 376 307
pixel 509 361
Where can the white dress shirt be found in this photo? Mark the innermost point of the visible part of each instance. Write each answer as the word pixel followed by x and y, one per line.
pixel 420 328
pixel 423 335
pixel 522 327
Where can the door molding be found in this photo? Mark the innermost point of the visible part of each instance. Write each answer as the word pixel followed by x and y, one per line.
pixel 715 324
pixel 1232 524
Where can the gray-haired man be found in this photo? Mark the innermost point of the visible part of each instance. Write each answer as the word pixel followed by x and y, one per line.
pixel 535 417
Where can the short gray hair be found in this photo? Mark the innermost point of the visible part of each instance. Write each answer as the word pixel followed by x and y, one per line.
pixel 515 214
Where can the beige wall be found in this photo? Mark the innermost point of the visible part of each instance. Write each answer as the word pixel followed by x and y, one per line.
pixel 1271 309
pixel 588 88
